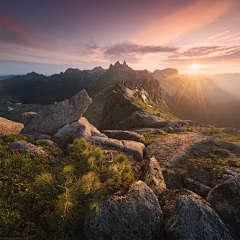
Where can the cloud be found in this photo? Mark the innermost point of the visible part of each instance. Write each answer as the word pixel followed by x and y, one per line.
pixel 206 52
pixel 132 48
pixel 185 18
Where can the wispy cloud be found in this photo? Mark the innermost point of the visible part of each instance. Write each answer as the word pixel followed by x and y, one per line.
pixel 135 52
pixel 205 52
pixel 194 15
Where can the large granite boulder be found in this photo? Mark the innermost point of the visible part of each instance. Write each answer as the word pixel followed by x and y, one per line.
pixel 154 179
pixel 129 147
pixel 188 216
pixel 124 135
pixel 79 129
pixel 225 198
pixel 134 215
pixel 8 127
pixel 31 148
pixel 27 117
pixel 66 112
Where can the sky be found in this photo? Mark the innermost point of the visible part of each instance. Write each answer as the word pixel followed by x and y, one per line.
pixel 49 36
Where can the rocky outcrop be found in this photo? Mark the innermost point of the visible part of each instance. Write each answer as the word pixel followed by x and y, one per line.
pixel 8 127
pixel 66 112
pixel 148 130
pixel 129 147
pixel 134 214
pixel 139 119
pixel 170 151
pixel 225 198
pixel 154 179
pixel 117 108
pixel 30 148
pixel 27 117
pixel 188 216
pixel 78 129
pixel 118 67
pixel 124 135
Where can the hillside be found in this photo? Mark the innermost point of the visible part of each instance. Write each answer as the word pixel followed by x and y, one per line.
pixel 36 88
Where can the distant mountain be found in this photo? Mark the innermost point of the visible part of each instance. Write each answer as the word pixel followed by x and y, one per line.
pixel 37 88
pixel 229 82
pixel 6 77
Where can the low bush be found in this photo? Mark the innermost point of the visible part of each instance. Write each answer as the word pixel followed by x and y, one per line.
pixel 40 200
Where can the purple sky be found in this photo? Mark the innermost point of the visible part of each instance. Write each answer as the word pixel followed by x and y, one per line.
pixel 48 36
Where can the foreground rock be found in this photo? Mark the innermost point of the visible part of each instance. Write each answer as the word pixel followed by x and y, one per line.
pixel 225 198
pixel 79 129
pixel 154 179
pixel 134 214
pixel 66 112
pixel 129 147
pixel 27 117
pixel 188 216
pixel 196 187
pixel 8 127
pixel 124 135
pixel 30 148
pixel 170 151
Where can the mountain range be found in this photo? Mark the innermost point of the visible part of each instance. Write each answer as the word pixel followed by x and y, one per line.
pixel 209 99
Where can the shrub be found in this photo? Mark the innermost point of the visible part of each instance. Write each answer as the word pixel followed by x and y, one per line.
pixel 45 201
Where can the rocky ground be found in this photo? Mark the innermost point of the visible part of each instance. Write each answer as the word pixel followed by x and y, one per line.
pixel 188 174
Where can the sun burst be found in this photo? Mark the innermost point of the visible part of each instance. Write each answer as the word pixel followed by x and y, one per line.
pixel 194 66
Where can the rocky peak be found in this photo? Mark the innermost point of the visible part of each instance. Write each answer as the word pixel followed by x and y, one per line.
pixel 119 67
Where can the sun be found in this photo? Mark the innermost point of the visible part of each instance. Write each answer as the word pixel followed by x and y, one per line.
pixel 194 66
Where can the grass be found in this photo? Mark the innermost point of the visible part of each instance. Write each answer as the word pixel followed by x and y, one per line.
pixel 149 137
pixel 224 136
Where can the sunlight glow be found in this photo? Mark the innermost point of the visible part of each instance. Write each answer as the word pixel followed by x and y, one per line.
pixel 194 66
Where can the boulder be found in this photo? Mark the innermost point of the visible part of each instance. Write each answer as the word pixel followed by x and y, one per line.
pixel 169 152
pixel 30 148
pixel 196 187
pixel 148 130
pixel 129 147
pixel 134 214
pixel 225 198
pixel 8 127
pixel 27 117
pixel 79 129
pixel 66 112
pixel 154 179
pixel 124 135
pixel 138 119
pixel 188 216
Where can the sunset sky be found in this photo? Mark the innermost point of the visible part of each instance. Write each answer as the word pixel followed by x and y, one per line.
pixel 49 36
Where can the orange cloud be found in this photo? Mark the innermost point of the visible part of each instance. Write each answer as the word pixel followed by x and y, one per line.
pixel 195 15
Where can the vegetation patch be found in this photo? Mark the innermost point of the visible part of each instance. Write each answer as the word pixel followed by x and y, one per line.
pixel 149 137
pixel 40 200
